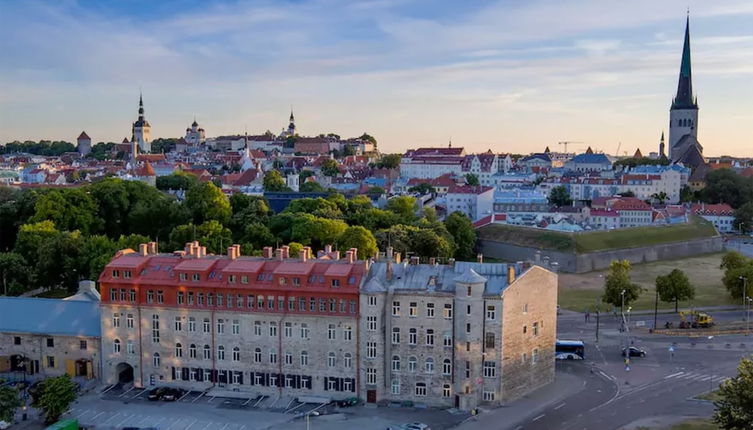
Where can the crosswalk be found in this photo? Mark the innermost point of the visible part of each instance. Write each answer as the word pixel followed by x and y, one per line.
pixel 696 376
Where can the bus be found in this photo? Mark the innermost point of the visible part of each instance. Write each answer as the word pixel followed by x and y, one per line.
pixel 569 350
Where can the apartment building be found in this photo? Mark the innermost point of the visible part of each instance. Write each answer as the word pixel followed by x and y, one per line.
pixel 474 201
pixel 269 325
pixel 460 335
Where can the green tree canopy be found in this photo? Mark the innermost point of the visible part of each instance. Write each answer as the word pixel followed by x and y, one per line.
pixel 559 196
pixel 32 236
pixel 404 207
pixel 57 395
pixel 368 138
pixel 15 273
pixel 471 179
pixel 674 287
pixel 311 187
pixel 9 402
pixel 330 168
pixel 464 234
pixel 361 238
pixel 177 181
pixel 744 218
pixel 398 236
pixel 315 231
pixel 738 274
pixel 207 202
pixel 734 409
pixel 618 280
pixel 422 188
pixel 258 235
pixel 427 243
pixel 726 186
pixel 211 234
pixel 70 209
pixel 389 161
pixel 318 207
pixel 274 182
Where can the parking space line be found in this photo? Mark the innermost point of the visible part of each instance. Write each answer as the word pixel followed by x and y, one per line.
pixel 129 390
pixel 225 426
pixel 82 413
pixel 139 393
pixel 539 417
pixel 197 398
pixel 183 396
pixel 95 416
pixel 559 406
pixel 194 422
pixel 210 399
pixel 127 417
pixel 111 417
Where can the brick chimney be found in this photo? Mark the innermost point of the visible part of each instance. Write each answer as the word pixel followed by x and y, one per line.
pixel 480 257
pixel 303 255
pixel 143 249
pixel 309 252
pixel 327 248
pixel 152 248
pixel 510 274
pixel 231 252
pixel 285 251
pixel 278 254
pixel 414 261
pixel 350 256
pixel 237 250
pixel 267 252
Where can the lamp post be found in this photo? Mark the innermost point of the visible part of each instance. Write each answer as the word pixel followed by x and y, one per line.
pixel 745 292
pixel 656 308
pixel 747 316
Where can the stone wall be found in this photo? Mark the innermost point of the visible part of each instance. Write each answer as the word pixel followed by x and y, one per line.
pixel 64 356
pixel 582 263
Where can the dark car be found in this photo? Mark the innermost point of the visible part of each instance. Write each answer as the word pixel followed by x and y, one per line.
pixel 172 394
pixel 633 352
pixel 350 401
pixel 156 393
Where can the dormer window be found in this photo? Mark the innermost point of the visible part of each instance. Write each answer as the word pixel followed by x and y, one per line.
pixel 260 277
pixel 296 281
pixel 282 281
pixel 115 273
pixel 335 282
pixel 244 279
pixel 183 276
pixel 195 277
pixel 231 279
pixel 126 274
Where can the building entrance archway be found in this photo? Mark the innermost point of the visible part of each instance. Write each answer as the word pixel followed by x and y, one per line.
pixel 125 373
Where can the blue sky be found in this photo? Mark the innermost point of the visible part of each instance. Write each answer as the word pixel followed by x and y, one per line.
pixel 509 76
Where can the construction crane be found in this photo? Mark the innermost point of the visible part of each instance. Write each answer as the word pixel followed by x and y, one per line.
pixel 568 142
pixel 617 153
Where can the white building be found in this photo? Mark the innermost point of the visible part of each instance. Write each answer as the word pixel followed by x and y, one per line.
pixel 429 163
pixel 721 215
pixel 474 201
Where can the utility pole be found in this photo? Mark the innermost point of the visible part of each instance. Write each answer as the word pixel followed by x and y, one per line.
pixel 656 307
pixel 745 294
pixel 597 326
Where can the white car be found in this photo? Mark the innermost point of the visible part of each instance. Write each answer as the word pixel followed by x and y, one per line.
pixel 4 425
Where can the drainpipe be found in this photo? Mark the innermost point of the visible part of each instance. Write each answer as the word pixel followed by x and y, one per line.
pixel 141 349
pixel 213 323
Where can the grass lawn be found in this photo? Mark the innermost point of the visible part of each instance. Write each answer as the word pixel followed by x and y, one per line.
pixel 696 424
pixel 583 291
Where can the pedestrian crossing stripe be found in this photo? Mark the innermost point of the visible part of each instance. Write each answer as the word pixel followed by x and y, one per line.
pixel 694 376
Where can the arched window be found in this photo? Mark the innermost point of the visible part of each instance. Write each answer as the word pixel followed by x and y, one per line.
pixel 412 364
pixel 304 358
pixel 236 354
pixel 155 359
pixel 192 351
pixel 347 360
pixel 446 390
pixel 207 352
pixel 220 352
pixel 395 363
pixel 257 355
pixel 420 389
pixel 429 365
pixel 178 350
pixel 116 346
pixel 447 366
pixel 331 359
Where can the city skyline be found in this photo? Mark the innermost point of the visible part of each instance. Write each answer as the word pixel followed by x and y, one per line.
pixel 506 77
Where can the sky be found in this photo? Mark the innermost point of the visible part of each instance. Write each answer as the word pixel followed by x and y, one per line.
pixel 510 76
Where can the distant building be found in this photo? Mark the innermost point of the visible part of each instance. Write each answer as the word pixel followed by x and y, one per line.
pixel 721 215
pixel 141 131
pixel 83 144
pixel 429 163
pixel 520 201
pixel 683 115
pixel 589 162
pixel 475 201
pixel 195 135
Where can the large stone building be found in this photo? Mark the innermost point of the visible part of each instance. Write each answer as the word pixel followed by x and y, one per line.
pixel 141 132
pixel 458 335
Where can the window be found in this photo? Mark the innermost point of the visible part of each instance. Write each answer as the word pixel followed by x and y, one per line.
pixel 371 349
pixel 236 354
pixel 155 328
pixel 190 298
pixel 304 331
pixel 412 309
pixel 192 351
pixel 536 329
pixel 322 305
pixel 372 301
pixel 331 359
pixel 291 303
pixel 469 291
pixel 447 340
pixel 412 336
pixel 231 279
pixel 288 329
pixel 183 276
pixel 250 301
pixel 115 274
pixel 447 367
pixel 115 321
pixel 160 296
pixel 200 299
pixel 430 310
pixel 155 359
pixel 429 365
pixel 178 324
pixel 113 294
pixel 116 346
pixel 130 348
pixel 412 363
pixel 210 299
pixel 395 386
pixel 534 356
pixel 273 329
pixel 304 358
pixel 488 396
pixel 206 325
pixel 348 333
pixel 491 313
pixel 219 300
pixel 272 356
pixel 288 358
pixel 430 337
pixel 335 283
pixel 50 361
pixel 446 390
pixel 395 309
pixel 220 352
pixel 468 310
pixel 150 296
pixel 467 327
pixel 447 312
pixel 371 323
pixel 178 350
pixel 525 329
pixel 132 296
pixel 467 369
pixel 347 360
pixel 420 389
pixel 244 279
pixel 257 355
pixel 191 324
pixel 490 369
pixel 525 308
pixel 395 335
pixel 489 340
pixel 332 305
pixel 126 274
pixel 195 277
pixel 207 352
pixel 371 375
pixel 395 363
pixel 257 328
pixel 82 345
pixel 236 327
pixel 331 332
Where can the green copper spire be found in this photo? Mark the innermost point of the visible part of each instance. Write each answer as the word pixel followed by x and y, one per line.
pixel 684 98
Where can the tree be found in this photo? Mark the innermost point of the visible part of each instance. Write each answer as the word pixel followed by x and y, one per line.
pixel 311 187
pixel 687 195
pixel 15 273
pixel 9 402
pixel 471 179
pixel 375 191
pixel 177 181
pixel 744 218
pixel 207 202
pixel 258 235
pixel 422 188
pixel 374 219
pixel 359 237
pixel 211 234
pixel 318 207
pixel 389 161
pixel 462 231
pixel 156 218
pixel 628 193
pixel 295 248
pixel 368 138
pixel 58 262
pixel 70 209
pixel 330 168
pixel 618 280
pixel 427 243
pixel 726 186
pixel 274 182
pixel 404 207
pixel 738 274
pixel 674 287
pixel 32 236
pixel 315 231
pixel 660 197
pixel 559 196
pixel 734 409
pixel 57 394
pixel 397 236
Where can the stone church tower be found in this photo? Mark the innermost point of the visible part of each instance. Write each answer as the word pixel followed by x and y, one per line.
pixel 140 131
pixel 683 115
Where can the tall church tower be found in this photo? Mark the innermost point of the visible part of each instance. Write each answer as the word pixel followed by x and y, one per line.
pixel 683 115
pixel 140 130
pixel 291 125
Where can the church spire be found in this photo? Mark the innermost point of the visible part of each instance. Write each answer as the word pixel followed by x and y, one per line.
pixel 684 98
pixel 141 107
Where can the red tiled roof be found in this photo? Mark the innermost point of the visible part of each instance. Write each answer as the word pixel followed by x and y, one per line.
pixel 720 209
pixel 83 135
pixel 469 189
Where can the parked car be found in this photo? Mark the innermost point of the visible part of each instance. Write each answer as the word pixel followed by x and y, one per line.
pixel 172 394
pixel 633 351
pixel 156 393
pixel 417 426
pixel 350 401
pixel 4 425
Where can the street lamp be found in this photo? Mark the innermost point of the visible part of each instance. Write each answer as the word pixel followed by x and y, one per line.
pixel 745 291
pixel 747 316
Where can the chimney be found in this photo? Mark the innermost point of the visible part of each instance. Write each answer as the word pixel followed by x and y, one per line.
pixel 152 248
pixel 201 251
pixel 555 267
pixel 388 274
pixel 279 254
pixel 179 253
pixel 510 274
pixel 335 255
pixel 143 249
pixel 355 253
pixel 451 262
pixel 237 250
pixel 189 249
pixel 231 253
pixel 432 261
pixel 309 252
pixel 267 252
pixel 389 253
pixel 397 257
pixel 414 261
pixel 303 255
pixel 285 251
pixel 327 248
pixel 350 255
pixel 480 257
pixel 537 257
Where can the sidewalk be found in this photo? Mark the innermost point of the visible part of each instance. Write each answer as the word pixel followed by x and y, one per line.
pixel 507 417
